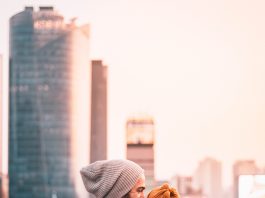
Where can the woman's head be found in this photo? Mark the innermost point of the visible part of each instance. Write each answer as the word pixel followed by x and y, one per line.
pixel 164 191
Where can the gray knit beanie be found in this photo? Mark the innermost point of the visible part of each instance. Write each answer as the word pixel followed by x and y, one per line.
pixel 111 178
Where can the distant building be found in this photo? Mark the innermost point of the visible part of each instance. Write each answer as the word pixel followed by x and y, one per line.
pixel 184 185
pixel 243 167
pixel 49 104
pixel 208 178
pixel 140 145
pixel 98 145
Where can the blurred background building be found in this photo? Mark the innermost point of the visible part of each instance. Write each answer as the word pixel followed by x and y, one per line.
pixel 208 178
pixel 183 184
pixel 140 145
pixel 243 167
pixel 98 145
pixel 185 187
pixel 49 104
pixel 205 182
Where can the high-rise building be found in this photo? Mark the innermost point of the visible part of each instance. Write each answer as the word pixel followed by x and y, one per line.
pixel 98 144
pixel 140 145
pixel 185 187
pixel 208 178
pixel 242 167
pixel 183 184
pixel 49 104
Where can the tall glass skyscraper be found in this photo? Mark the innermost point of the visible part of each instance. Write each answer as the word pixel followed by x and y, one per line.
pixel 49 104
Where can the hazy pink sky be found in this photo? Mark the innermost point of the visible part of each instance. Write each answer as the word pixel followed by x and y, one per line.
pixel 198 67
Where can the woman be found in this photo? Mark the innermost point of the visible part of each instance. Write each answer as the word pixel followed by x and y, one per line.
pixel 164 191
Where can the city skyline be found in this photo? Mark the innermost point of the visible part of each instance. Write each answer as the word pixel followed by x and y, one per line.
pixel 196 67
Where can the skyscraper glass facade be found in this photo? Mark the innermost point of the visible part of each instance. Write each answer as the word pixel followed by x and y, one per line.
pixel 41 83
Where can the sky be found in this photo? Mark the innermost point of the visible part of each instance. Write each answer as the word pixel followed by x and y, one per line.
pixel 197 67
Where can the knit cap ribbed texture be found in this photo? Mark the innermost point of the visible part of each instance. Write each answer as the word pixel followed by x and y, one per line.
pixel 111 178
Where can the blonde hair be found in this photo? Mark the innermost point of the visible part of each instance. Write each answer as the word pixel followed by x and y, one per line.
pixel 164 191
